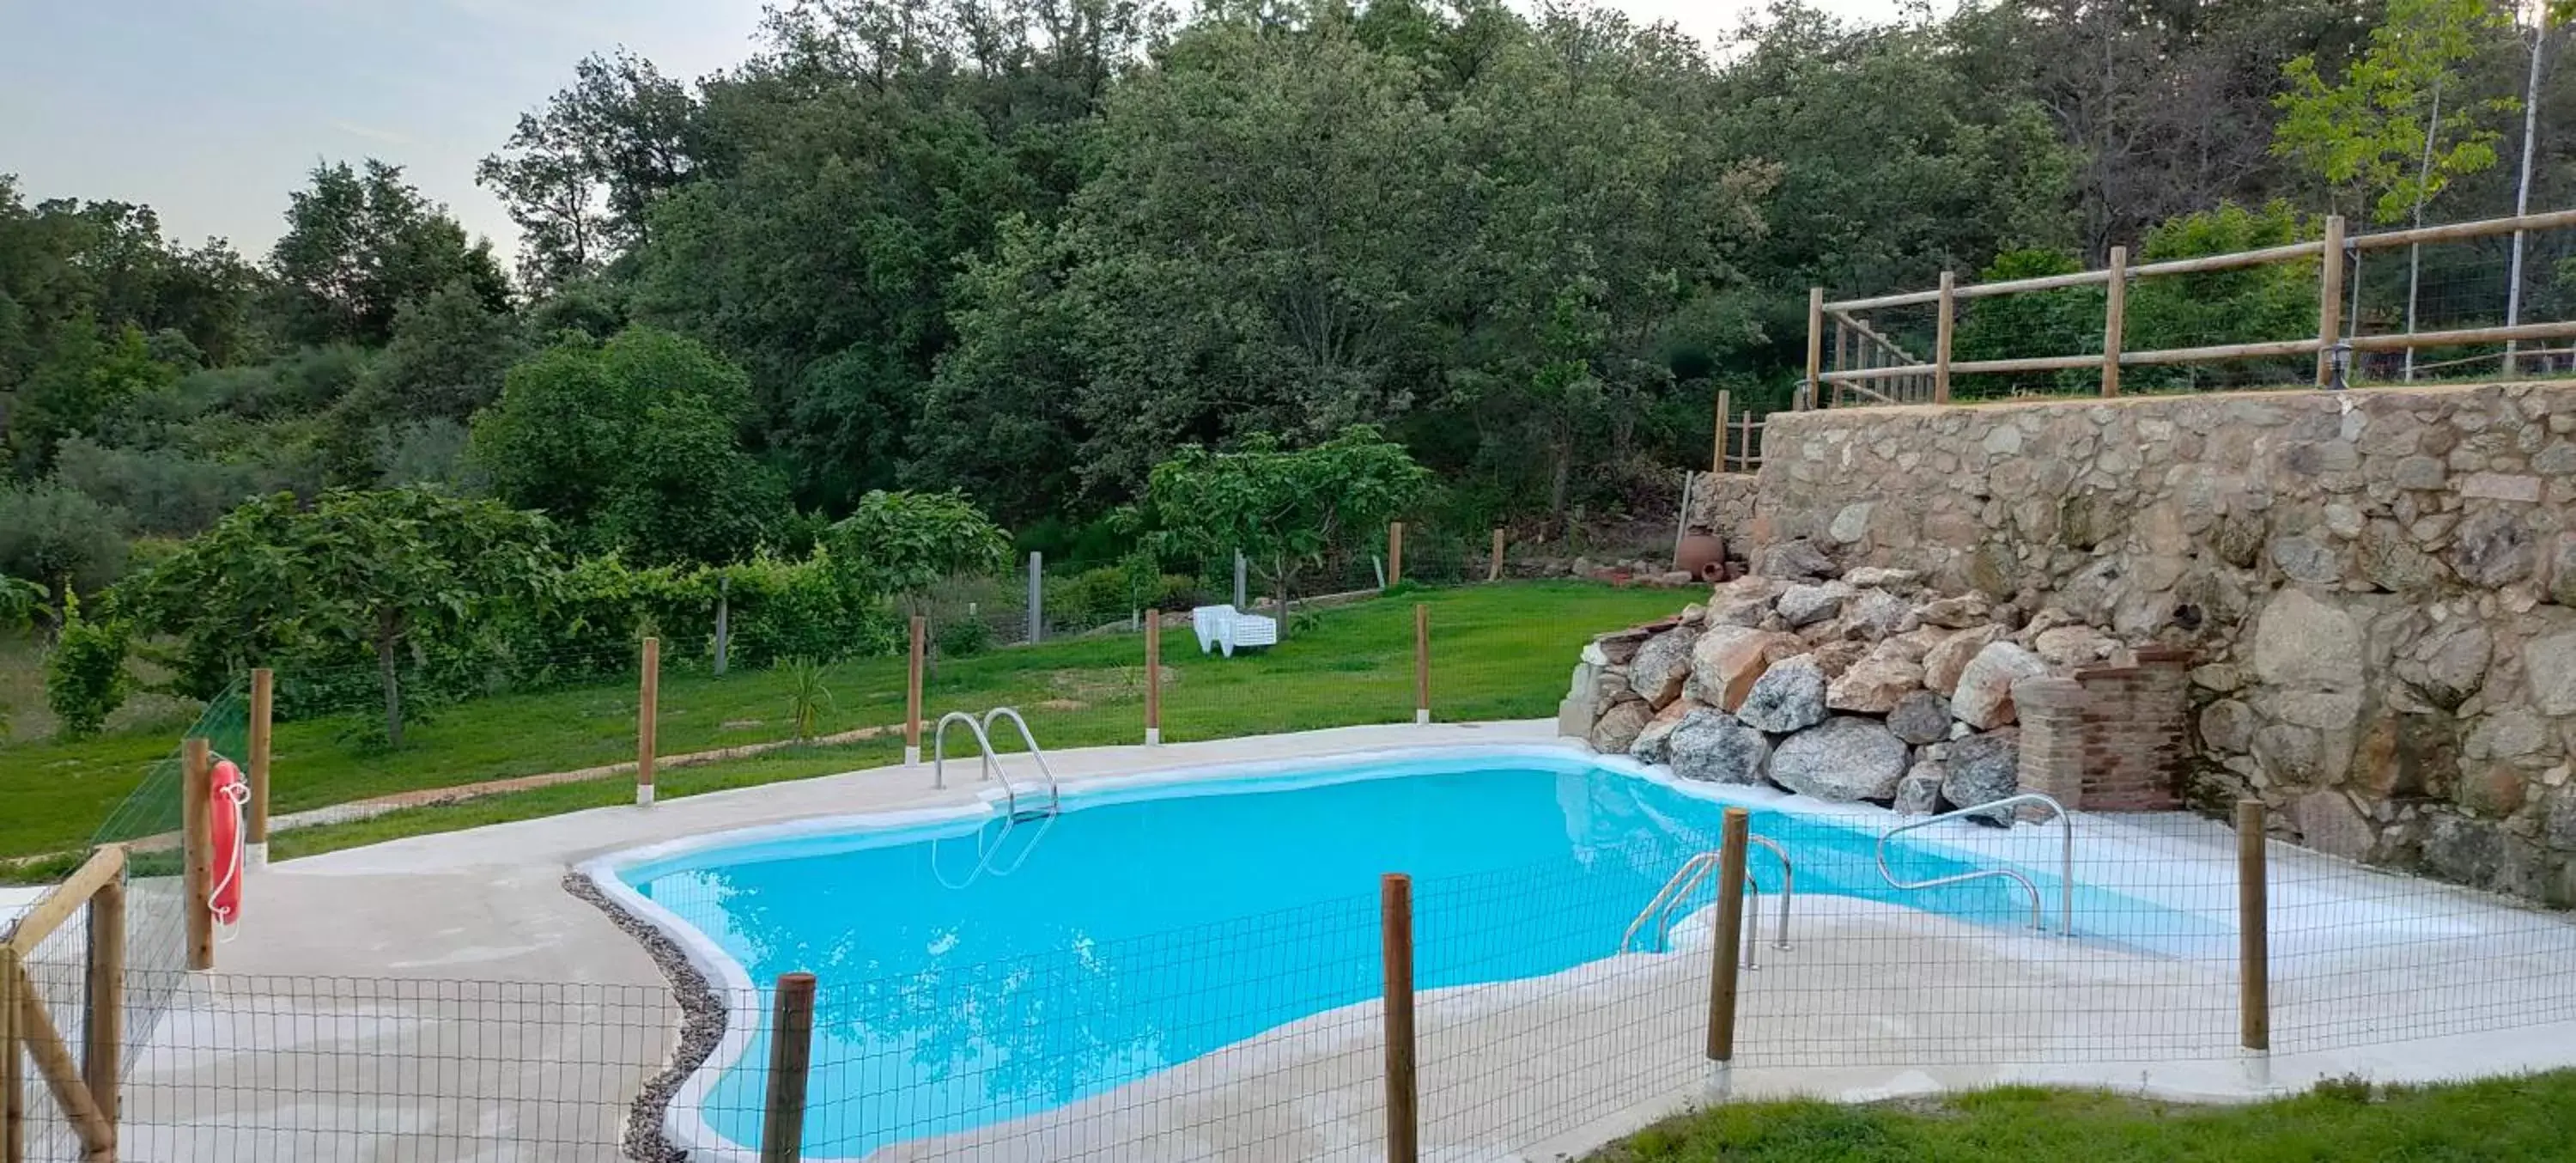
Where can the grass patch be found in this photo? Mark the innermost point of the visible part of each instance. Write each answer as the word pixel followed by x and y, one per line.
pixel 1500 651
pixel 2531 1117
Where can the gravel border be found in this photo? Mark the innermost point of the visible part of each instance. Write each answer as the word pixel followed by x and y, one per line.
pixel 701 1028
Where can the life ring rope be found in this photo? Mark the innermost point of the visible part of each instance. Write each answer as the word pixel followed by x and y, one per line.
pixel 231 793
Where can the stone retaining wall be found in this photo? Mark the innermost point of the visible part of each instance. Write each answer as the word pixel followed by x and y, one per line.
pixel 2375 586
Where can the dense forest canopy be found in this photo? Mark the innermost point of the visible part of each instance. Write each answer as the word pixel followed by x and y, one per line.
pixel 1029 249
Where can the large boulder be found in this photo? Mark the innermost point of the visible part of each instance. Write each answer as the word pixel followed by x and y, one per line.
pixel 1874 685
pixel 1919 793
pixel 1944 662
pixel 1983 699
pixel 1727 660
pixel 1662 666
pixel 1790 696
pixel 1809 604
pixel 1845 758
pixel 1957 613
pixel 1712 747
pixel 1617 728
pixel 1920 717
pixel 1876 614
pixel 1981 770
pixel 2071 646
pixel 1651 744
pixel 1793 559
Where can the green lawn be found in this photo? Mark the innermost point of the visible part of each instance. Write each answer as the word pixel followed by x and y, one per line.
pixel 2532 1118
pixel 1499 651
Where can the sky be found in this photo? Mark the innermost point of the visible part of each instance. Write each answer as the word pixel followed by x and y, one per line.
pixel 210 111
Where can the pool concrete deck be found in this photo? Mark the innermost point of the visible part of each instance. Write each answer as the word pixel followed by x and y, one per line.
pixel 1870 1001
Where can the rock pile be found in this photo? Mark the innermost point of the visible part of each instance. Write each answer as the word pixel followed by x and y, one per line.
pixel 1842 685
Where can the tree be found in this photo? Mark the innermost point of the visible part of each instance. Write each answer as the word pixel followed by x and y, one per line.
pixel 62 536
pixel 1283 510
pixel 632 445
pixel 902 544
pixel 83 385
pixel 2382 132
pixel 380 573
pixel 579 177
pixel 359 245
pixel 448 353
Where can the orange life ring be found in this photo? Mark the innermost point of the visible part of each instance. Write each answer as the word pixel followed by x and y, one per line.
pixel 224 813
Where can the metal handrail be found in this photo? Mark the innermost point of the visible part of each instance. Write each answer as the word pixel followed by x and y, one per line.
pixel 2066 860
pixel 1055 797
pixel 1687 879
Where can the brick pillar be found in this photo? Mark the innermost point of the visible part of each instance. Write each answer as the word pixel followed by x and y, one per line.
pixel 2052 738
pixel 2135 719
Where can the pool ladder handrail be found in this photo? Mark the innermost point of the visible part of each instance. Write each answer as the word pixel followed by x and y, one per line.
pixel 2066 859
pixel 981 729
pixel 1687 879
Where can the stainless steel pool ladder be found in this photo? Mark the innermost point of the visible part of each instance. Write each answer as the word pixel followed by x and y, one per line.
pixel 1687 879
pixel 982 729
pixel 2066 859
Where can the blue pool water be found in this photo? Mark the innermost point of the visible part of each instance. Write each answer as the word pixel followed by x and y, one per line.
pixel 1147 927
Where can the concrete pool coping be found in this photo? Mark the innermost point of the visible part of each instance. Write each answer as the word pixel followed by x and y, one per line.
pixel 485 904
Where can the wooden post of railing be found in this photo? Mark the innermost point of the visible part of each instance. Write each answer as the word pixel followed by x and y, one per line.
pixel 1717 461
pixel 1494 569
pixel 1394 553
pixel 1395 915
pixel 1153 678
pixel 1421 662
pixel 648 721
pixel 2329 299
pixel 1941 332
pixel 912 691
pixel 791 1052
pixel 103 1002
pixel 196 783
pixel 2115 318
pixel 1815 345
pixel 1748 457
pixel 13 1083
pixel 1734 838
pixel 263 708
pixel 2253 928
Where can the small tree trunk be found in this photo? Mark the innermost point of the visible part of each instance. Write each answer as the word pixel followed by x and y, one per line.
pixel 1279 586
pixel 2415 253
pixel 392 680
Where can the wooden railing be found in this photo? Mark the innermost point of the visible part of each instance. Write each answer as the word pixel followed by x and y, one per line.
pixel 1739 438
pixel 84 1086
pixel 1861 371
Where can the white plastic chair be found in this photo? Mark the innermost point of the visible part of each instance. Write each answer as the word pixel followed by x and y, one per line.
pixel 1228 629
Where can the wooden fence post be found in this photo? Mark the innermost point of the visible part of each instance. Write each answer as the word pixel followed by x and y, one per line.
pixel 1494 569
pixel 1747 457
pixel 2253 929
pixel 1421 663
pixel 1725 403
pixel 103 1003
pixel 1815 346
pixel 2329 299
pixel 912 692
pixel 1403 1121
pixel 1726 952
pixel 13 1083
pixel 1941 333
pixel 1153 678
pixel 1394 553
pixel 263 709
pixel 791 1052
pixel 724 621
pixel 2115 319
pixel 648 721
pixel 196 782
pixel 1037 597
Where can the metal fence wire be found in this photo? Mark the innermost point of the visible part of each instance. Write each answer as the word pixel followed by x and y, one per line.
pixel 1549 1004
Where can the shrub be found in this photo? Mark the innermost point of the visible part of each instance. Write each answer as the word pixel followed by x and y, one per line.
pixel 965 638
pixel 51 532
pixel 85 675
pixel 807 697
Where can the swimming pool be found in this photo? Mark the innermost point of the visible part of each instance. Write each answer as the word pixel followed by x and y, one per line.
pixel 1161 918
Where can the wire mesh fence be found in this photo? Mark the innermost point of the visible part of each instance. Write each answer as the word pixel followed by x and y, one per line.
pixel 1547 998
